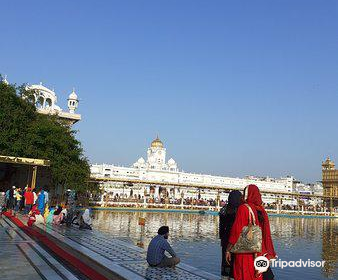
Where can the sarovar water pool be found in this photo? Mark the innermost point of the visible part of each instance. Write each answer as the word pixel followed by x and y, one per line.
pixel 194 237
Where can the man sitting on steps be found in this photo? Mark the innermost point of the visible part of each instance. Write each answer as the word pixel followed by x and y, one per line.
pixel 158 245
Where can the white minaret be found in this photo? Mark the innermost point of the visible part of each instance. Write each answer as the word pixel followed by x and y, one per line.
pixel 73 102
pixel 4 80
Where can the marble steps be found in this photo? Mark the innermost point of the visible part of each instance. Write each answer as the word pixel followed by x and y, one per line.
pixel 46 266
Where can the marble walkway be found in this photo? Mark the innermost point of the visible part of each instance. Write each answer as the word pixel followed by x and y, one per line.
pixel 21 258
pixel 123 258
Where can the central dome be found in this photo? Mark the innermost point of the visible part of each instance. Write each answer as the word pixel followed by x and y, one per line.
pixel 157 143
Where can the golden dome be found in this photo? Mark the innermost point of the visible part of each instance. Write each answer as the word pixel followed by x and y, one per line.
pixel 328 164
pixel 157 143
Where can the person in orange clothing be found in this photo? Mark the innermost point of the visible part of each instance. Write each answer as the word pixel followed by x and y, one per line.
pixel 244 262
pixel 29 200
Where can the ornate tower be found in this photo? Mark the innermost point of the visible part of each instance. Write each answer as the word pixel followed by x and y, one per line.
pixel 73 102
pixel 330 180
pixel 156 155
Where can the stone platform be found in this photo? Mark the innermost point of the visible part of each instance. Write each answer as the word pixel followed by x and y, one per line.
pixel 123 259
pixel 21 258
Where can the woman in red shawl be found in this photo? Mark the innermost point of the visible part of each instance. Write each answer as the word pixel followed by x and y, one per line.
pixel 35 211
pixel 244 263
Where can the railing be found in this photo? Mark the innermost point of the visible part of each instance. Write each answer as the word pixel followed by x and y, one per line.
pixel 152 205
pixel 119 204
pixel 220 188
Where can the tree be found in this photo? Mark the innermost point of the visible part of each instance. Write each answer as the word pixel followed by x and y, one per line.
pixel 26 133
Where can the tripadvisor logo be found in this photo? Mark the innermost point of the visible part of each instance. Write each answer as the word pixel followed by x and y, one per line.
pixel 299 263
pixel 262 263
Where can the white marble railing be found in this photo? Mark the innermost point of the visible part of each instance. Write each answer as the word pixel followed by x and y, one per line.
pixel 198 207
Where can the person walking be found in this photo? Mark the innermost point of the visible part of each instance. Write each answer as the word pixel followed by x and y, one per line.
pixel 157 246
pixel 227 217
pixel 244 262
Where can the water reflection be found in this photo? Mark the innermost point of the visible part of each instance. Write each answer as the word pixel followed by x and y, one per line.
pixel 330 249
pixel 182 226
pixel 195 238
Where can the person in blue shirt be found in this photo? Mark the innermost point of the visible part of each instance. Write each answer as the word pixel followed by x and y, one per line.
pixel 157 247
pixel 46 197
pixel 41 202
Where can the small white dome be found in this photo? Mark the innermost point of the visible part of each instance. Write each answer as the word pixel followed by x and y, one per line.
pixel 73 95
pixel 171 162
pixel 141 160
pixel 4 80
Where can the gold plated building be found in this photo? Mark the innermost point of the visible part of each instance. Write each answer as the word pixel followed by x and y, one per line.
pixel 330 179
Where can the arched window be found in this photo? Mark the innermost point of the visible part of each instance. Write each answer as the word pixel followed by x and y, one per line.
pixel 39 102
pixel 48 102
pixel 31 98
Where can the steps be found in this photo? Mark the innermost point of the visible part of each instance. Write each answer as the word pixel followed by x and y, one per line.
pixel 23 258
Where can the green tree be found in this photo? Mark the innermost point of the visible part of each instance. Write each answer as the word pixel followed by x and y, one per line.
pixel 26 133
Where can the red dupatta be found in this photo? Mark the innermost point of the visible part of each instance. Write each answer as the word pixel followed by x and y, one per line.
pixel 253 197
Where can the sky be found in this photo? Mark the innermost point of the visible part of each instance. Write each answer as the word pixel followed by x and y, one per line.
pixel 232 88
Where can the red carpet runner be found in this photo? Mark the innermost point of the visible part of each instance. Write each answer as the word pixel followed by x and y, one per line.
pixel 82 267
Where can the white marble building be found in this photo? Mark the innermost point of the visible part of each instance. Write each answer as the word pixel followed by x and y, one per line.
pixel 156 169
pixel 312 189
pixel 45 101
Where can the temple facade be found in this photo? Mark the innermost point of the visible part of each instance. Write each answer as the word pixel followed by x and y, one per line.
pixel 329 178
pixel 155 168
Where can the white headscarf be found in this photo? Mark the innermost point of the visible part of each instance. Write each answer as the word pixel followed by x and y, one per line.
pixel 86 217
pixel 64 212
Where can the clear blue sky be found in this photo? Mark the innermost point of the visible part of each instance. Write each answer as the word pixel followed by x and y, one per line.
pixel 231 87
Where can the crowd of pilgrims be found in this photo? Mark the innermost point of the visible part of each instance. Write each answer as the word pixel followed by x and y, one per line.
pixel 35 205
